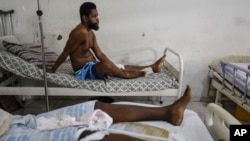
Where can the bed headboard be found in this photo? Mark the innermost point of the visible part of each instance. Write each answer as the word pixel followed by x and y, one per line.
pixel 6 24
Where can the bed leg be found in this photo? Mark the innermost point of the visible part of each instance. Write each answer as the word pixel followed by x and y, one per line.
pixel 218 97
pixel 160 101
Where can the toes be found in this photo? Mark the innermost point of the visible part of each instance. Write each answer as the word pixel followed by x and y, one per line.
pixel 188 89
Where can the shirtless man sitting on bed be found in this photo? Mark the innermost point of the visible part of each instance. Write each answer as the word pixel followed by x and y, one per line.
pixel 82 41
pixel 172 114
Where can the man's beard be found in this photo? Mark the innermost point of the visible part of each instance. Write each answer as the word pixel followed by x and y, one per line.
pixel 94 26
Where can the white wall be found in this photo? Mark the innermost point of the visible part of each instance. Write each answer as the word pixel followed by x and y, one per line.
pixel 199 29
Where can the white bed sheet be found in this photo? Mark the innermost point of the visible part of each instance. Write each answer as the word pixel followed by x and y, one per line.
pixel 191 129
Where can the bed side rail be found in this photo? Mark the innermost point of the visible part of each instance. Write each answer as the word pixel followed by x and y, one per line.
pixel 176 71
pixel 218 121
pixel 235 96
pixel 236 68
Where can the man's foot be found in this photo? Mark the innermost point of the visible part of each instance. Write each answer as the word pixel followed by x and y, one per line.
pixel 156 67
pixel 176 110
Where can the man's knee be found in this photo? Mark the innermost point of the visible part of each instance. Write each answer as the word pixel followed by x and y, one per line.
pixel 103 68
pixel 106 65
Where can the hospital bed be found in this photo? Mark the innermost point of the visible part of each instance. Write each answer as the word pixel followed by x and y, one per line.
pixel 217 122
pixel 21 68
pixel 229 75
pixel 62 83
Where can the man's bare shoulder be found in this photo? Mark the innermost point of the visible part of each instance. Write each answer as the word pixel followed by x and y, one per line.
pixel 77 36
pixel 79 30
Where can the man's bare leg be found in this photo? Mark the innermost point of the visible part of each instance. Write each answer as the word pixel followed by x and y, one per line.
pixel 110 69
pixel 128 113
pixel 156 67
pixel 120 137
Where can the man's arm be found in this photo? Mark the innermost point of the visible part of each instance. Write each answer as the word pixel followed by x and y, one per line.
pixel 75 38
pixel 62 57
pixel 98 52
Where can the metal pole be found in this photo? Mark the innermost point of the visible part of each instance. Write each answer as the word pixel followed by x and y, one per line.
pixel 39 13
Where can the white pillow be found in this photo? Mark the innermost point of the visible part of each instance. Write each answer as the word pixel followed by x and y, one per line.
pixel 8 38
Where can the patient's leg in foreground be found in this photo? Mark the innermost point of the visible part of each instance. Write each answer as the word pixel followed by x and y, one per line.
pixel 127 113
pixel 121 113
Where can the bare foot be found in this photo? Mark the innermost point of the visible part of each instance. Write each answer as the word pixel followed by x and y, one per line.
pixel 156 67
pixel 176 110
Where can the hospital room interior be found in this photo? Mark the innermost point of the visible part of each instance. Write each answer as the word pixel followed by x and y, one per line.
pixel 206 43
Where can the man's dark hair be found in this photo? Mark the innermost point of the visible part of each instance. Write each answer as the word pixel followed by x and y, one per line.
pixel 86 8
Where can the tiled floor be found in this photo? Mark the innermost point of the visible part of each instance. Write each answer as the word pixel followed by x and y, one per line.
pixel 39 106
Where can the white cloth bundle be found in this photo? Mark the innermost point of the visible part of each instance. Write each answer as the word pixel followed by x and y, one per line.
pixel 94 120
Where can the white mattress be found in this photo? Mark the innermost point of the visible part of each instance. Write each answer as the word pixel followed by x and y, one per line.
pixel 192 128
pixel 240 75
